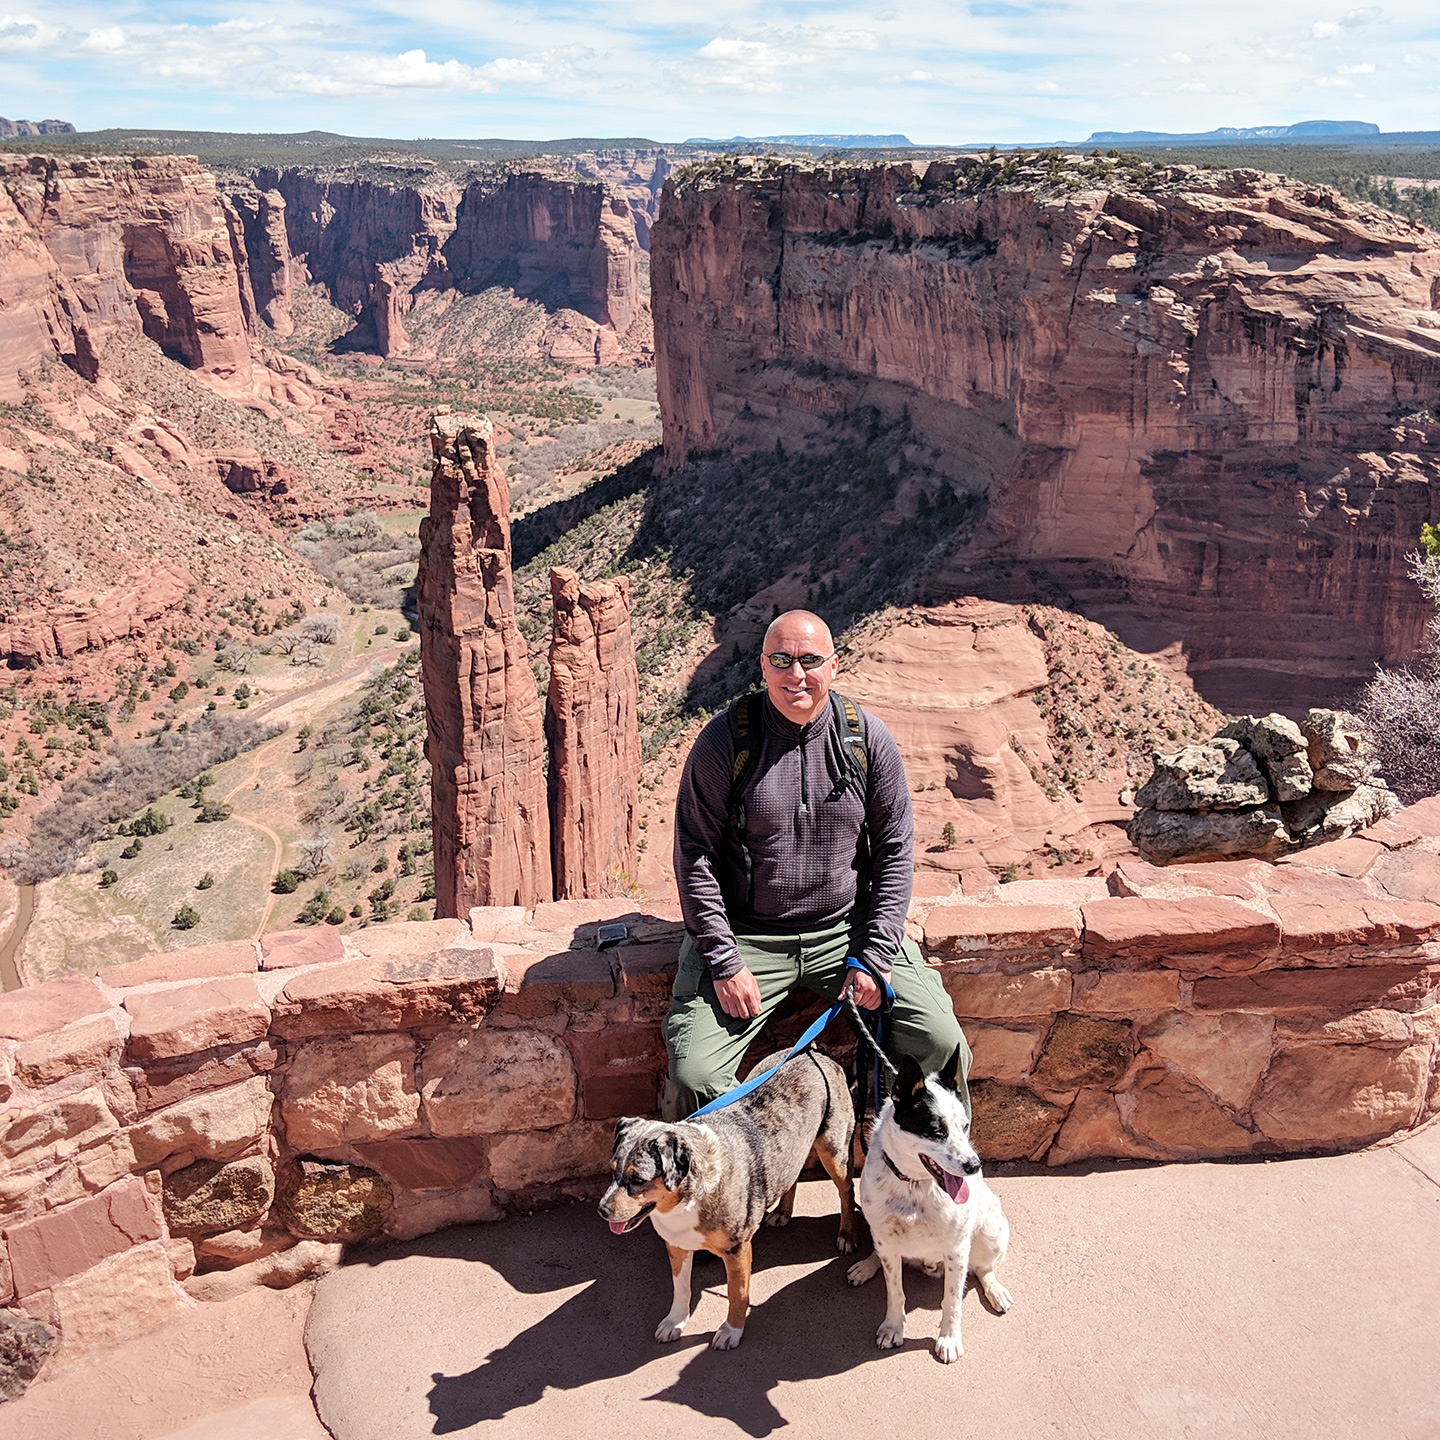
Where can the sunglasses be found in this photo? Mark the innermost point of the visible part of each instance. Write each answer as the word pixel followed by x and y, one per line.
pixel 782 660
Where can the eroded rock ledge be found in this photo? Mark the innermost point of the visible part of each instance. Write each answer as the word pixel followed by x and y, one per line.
pixel 179 1127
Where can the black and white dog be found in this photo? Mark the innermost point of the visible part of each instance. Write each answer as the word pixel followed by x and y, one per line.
pixel 925 1200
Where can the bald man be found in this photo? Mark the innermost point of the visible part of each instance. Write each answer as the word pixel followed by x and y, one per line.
pixel 789 903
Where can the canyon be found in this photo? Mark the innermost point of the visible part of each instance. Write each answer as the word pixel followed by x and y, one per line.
pixel 1199 402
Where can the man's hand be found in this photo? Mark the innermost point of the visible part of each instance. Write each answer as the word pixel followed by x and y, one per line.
pixel 739 996
pixel 861 984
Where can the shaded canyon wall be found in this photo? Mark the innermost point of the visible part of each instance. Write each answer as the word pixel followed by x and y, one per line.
pixel 1204 402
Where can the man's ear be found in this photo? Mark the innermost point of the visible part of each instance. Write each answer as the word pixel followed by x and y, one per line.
pixel 911 1080
pixel 949 1075
pixel 672 1160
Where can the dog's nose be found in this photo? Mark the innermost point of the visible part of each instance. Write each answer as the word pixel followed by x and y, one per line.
pixel 972 1167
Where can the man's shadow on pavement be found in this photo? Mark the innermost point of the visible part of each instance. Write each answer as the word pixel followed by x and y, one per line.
pixel 815 1326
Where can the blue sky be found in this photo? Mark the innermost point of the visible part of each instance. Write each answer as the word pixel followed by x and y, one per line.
pixel 940 72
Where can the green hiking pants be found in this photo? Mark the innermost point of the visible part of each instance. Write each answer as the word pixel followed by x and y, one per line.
pixel 706 1045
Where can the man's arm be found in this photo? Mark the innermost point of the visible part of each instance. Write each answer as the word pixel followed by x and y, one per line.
pixel 892 846
pixel 700 815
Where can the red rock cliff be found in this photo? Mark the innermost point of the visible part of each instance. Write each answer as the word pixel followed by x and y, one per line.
pixel 142 244
pixel 592 726
pixel 485 736
pixel 374 244
pixel 1201 400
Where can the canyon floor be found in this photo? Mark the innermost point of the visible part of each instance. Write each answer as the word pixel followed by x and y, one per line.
pixel 1280 1299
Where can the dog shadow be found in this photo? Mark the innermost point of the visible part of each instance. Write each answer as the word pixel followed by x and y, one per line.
pixel 814 1327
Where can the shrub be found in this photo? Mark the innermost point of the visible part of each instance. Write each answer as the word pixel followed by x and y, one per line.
pixel 287 882
pixel 418 912
pixel 205 881
pixel 213 811
pixel 152 822
pixel 180 691
pixel 187 917
pixel 336 916
pixel 108 878
pixel 315 909
pixel 131 850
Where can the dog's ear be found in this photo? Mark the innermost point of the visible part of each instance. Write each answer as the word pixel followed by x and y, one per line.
pixel 672 1160
pixel 949 1075
pixel 911 1080
pixel 622 1134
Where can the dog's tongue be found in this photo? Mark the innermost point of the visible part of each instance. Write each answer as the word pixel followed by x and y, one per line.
pixel 956 1188
pixel 617 1227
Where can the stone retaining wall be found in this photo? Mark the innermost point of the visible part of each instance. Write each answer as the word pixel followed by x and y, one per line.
pixel 176 1128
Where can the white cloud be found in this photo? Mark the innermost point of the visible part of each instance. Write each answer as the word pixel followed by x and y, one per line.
pixel 112 38
pixel 1365 15
pixel 1324 30
pixel 1179 57
pixel 1355 69
pixel 1195 87
pixel 1047 87
pixel 23 34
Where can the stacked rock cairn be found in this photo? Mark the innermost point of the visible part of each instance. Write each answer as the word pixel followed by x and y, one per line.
pixel 1261 787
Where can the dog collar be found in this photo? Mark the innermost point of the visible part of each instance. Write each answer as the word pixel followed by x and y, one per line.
pixel 895 1169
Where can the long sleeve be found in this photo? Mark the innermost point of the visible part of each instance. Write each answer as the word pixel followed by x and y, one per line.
pixel 892 846
pixel 700 816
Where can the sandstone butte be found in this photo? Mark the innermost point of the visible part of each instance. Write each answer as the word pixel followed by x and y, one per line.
pixel 378 246
pixel 1200 400
pixel 177 1129
pixel 485 734
pixel 592 725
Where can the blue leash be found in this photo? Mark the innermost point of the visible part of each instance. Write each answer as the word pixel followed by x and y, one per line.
pixel 811 1035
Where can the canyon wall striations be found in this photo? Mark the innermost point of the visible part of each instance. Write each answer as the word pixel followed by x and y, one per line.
pixel 485 737
pixel 591 722
pixel 1203 402
pixel 377 245
pixel 146 245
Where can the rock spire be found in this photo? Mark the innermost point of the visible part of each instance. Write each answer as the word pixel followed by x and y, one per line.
pixel 485 733
pixel 593 729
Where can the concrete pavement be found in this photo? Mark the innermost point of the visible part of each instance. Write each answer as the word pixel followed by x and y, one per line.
pixel 1296 1298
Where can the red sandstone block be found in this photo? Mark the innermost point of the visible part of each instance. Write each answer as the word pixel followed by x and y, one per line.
pixel 51 1057
pixel 1405 922
pixel 1236 879
pixel 648 969
pixel 454 986
pixel 183 1021
pixel 659 922
pixel 959 931
pixel 1138 930
pixel 291 948
pixel 426 1164
pixel 1308 924
pixel 1301 883
pixel 640 1048
pixel 56 1246
pixel 977 880
pixel 933 884
pixel 1410 874
pixel 1420 821
pixel 562 976
pixel 33 1011
pixel 633 1092
pixel 558 915
pixel 1323 992
pixel 201 962
pixel 1351 856
pixel 166 1082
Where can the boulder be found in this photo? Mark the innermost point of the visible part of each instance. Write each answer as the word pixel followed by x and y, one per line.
pixel 487 1082
pixel 1081 1050
pixel 345 1090
pixel 1276 742
pixel 1333 814
pixel 1222 775
pixel 1338 750
pixel 213 1197
pixel 1170 1111
pixel 25 1345
pixel 1226 1054
pixel 332 1200
pixel 1163 836
pixel 1322 1095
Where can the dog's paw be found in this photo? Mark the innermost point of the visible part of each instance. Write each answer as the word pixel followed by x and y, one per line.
pixel 844 1243
pixel 933 1268
pixel 777 1218
pixel 891 1334
pixel 863 1270
pixel 668 1330
pixel 727 1337
pixel 996 1293
pixel 948 1349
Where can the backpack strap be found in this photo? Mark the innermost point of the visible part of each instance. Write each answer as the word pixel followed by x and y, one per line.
pixel 854 741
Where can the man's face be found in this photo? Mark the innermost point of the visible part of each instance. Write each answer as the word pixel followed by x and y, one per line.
pixel 799 694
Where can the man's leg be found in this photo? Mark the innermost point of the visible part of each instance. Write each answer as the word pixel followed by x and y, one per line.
pixel 705 1044
pixel 922 1021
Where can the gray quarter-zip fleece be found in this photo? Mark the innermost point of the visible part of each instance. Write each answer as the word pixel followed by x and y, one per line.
pixel 802 827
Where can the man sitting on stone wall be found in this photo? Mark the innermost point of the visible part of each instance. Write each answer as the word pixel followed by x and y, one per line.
pixel 829 876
